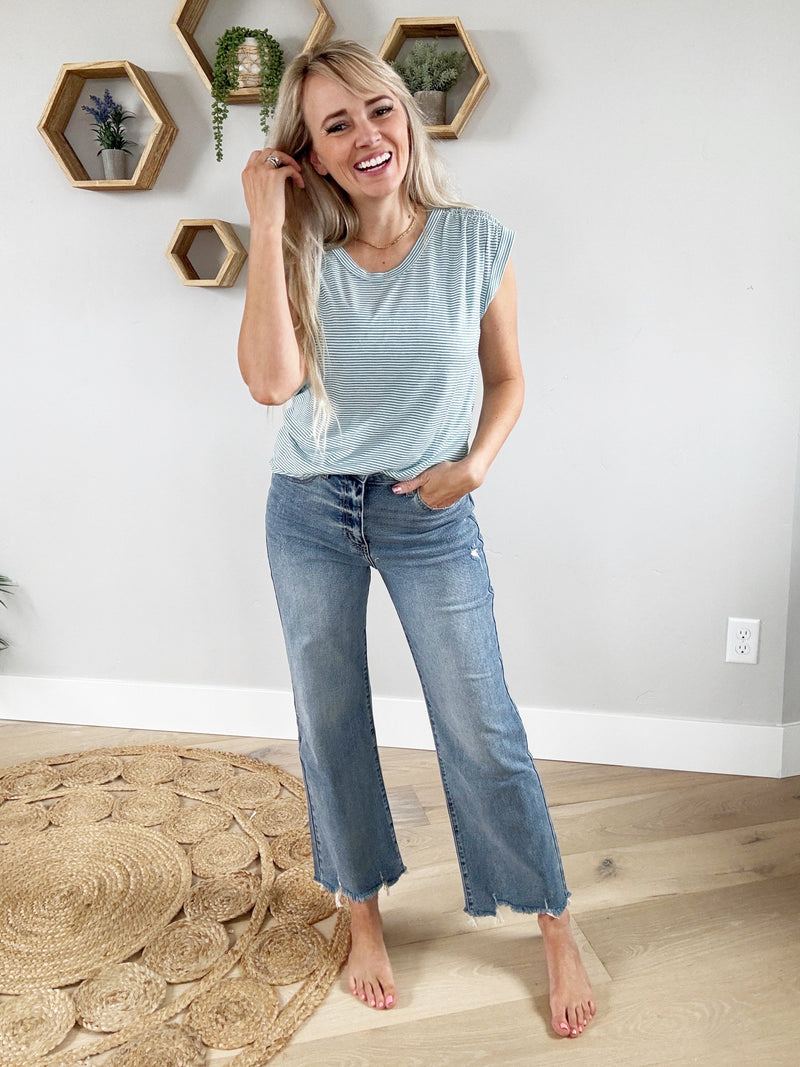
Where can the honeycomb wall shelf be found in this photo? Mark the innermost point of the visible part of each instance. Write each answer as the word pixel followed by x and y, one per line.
pixel 187 18
pixel 65 95
pixel 182 240
pixel 407 28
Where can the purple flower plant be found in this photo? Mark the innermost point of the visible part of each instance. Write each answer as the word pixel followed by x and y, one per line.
pixel 108 118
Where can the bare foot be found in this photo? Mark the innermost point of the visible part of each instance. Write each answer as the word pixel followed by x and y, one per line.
pixel 369 972
pixel 571 1002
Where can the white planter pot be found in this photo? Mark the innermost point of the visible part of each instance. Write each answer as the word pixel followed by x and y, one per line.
pixel 249 64
pixel 115 163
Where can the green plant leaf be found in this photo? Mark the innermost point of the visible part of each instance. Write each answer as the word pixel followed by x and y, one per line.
pixel 427 67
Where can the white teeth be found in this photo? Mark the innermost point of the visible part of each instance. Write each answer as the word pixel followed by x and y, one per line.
pixel 377 161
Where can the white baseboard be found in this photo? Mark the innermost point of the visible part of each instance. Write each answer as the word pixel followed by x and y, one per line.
pixel 791 750
pixel 578 736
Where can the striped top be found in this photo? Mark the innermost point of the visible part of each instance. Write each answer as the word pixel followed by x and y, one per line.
pixel 402 357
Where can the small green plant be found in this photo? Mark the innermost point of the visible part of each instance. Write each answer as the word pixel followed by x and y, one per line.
pixel 108 119
pixel 5 587
pixel 427 67
pixel 226 77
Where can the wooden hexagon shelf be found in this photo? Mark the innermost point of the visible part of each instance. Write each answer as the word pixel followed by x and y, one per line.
pixel 182 240
pixel 404 29
pixel 65 95
pixel 187 18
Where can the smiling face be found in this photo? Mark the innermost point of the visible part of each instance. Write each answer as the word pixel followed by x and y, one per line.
pixel 362 142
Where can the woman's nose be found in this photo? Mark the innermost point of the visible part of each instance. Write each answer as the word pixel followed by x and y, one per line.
pixel 367 132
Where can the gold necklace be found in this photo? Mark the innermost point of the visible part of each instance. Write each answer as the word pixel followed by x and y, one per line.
pixel 400 236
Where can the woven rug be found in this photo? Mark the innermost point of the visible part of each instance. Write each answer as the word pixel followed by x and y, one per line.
pixel 155 903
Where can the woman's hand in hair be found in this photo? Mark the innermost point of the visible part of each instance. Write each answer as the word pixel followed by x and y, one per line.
pixel 265 186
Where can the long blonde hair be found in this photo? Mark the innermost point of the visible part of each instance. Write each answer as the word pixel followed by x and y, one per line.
pixel 322 215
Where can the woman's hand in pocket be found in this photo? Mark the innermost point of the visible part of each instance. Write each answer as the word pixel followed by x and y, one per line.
pixel 442 485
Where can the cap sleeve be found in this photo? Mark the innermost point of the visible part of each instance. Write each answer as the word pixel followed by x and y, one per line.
pixel 498 241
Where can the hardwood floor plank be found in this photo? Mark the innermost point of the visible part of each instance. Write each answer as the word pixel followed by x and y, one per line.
pixel 693 864
pixel 409 766
pixel 703 808
pixel 23 741
pixel 570 783
pixel 661 1020
pixel 754 920
pixel 407 811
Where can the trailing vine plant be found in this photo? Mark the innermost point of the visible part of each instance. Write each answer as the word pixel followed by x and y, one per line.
pixel 6 586
pixel 226 77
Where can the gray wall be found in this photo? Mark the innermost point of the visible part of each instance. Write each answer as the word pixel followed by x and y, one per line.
pixel 647 155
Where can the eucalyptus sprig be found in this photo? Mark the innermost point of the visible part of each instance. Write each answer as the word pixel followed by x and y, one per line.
pixel 108 119
pixel 430 68
pixel 225 77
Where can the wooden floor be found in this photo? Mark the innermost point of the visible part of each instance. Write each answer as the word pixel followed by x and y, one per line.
pixel 686 900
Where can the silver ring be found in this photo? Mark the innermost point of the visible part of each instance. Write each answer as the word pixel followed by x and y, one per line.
pixel 274 161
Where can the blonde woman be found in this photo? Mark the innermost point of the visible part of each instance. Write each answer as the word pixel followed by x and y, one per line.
pixel 373 300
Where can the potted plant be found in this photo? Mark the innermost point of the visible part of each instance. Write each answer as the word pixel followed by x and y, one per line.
pixel 430 72
pixel 110 133
pixel 5 587
pixel 245 59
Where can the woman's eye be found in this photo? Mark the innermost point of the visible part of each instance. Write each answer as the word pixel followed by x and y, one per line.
pixel 337 126
pixel 385 110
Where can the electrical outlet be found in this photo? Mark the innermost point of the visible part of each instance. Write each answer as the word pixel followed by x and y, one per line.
pixel 743 638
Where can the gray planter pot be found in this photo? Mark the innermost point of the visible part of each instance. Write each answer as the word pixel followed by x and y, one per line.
pixel 115 163
pixel 433 105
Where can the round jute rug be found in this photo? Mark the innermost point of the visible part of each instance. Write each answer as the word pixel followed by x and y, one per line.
pixel 158 902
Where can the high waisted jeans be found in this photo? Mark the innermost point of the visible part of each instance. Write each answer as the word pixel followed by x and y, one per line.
pixel 325 535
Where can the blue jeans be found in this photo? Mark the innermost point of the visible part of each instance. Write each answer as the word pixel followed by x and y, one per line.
pixel 325 534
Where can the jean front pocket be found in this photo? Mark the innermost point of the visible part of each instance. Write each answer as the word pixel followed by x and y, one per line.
pixel 300 479
pixel 430 507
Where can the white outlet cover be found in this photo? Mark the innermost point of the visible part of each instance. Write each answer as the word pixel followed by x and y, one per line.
pixel 744 636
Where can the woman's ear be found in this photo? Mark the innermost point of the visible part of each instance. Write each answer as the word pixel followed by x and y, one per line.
pixel 317 163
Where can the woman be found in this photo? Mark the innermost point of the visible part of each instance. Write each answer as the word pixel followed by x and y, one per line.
pixel 372 299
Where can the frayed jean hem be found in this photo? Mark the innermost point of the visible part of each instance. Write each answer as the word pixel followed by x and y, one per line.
pixel 339 891
pixel 522 909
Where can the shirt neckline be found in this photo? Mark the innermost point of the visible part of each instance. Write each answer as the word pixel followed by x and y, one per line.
pixel 415 252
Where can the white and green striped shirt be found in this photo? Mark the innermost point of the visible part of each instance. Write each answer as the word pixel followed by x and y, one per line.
pixel 402 353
